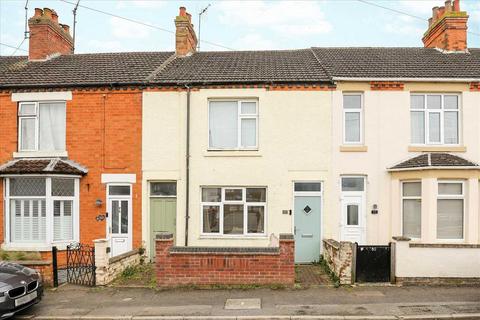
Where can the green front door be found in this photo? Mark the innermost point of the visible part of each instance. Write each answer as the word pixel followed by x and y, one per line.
pixel 163 213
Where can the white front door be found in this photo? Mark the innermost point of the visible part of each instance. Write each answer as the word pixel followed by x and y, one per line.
pixel 353 214
pixel 120 219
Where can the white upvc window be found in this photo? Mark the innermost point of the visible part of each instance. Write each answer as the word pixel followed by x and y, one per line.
pixel 41 210
pixel 450 210
pixel 412 209
pixel 233 124
pixel 435 119
pixel 352 118
pixel 41 126
pixel 233 211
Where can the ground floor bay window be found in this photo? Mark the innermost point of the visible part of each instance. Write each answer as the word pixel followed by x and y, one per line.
pixel 41 211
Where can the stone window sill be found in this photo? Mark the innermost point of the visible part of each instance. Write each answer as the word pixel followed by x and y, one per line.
pixel 437 149
pixel 353 148
pixel 232 153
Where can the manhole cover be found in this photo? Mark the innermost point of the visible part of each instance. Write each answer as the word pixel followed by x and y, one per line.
pixel 243 304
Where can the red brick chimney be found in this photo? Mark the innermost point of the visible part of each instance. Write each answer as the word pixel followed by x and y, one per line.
pixel 47 36
pixel 447 28
pixel 185 37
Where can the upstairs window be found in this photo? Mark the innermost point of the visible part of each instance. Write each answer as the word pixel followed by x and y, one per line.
pixel 233 124
pixel 434 118
pixel 41 126
pixel 352 118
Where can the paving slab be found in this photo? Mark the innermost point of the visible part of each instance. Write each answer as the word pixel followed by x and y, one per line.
pixel 243 304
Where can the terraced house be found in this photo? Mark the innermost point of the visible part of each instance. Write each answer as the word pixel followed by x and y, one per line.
pixel 228 151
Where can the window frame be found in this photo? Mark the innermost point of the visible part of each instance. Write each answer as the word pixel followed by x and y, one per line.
pixel 355 110
pixel 49 203
pixel 426 118
pixel 451 197
pixel 222 202
pixel 36 116
pixel 402 198
pixel 240 117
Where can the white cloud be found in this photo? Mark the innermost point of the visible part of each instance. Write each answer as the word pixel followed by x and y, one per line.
pixel 294 18
pixel 105 46
pixel 253 41
pixel 148 4
pixel 123 29
pixel 405 25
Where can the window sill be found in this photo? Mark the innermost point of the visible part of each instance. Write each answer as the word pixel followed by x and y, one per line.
pixel 232 153
pixel 40 154
pixel 437 149
pixel 233 237
pixel 41 247
pixel 353 148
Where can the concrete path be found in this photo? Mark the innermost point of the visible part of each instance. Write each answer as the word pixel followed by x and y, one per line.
pixel 72 302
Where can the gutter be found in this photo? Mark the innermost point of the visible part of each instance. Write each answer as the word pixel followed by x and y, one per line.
pixel 187 167
pixel 360 79
pixel 435 168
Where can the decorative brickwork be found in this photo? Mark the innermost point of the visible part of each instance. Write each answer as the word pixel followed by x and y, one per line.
pixel 224 266
pixel 475 86
pixel 387 85
pixel 339 257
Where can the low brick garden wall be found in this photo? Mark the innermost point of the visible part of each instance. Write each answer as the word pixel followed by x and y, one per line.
pixel 42 266
pixel 340 259
pixel 177 266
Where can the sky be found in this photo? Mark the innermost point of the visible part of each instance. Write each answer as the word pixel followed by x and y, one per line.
pixel 237 25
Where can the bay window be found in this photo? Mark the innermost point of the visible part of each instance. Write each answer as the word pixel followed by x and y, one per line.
pixel 233 210
pixel 450 210
pixel 233 124
pixel 41 210
pixel 412 209
pixel 41 126
pixel 434 118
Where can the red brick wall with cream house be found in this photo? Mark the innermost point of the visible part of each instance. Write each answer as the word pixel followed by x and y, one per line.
pixel 103 134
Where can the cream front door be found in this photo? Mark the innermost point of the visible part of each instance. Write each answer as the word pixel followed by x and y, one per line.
pixel 353 219
pixel 120 219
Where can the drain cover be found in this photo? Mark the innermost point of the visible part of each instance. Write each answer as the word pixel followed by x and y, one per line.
pixel 243 304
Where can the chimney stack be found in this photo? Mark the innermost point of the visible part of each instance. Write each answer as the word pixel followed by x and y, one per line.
pixel 185 37
pixel 447 28
pixel 47 36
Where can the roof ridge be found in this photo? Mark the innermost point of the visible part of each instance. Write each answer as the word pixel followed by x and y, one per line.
pixel 321 65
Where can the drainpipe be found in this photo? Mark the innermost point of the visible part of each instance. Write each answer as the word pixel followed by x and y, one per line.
pixel 187 167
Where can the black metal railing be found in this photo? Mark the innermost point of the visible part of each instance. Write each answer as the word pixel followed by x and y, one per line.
pixel 81 264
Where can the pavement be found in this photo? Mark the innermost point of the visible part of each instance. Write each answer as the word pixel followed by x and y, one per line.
pixel 361 302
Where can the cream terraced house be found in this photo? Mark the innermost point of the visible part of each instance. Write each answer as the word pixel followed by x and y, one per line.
pixel 352 144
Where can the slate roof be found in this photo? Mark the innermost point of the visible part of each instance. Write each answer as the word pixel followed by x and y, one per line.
pixel 42 166
pixel 215 67
pixel 432 161
pixel 399 63
pixel 81 69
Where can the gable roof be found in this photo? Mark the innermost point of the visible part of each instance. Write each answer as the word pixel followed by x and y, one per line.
pixel 224 67
pixel 434 161
pixel 42 166
pixel 397 63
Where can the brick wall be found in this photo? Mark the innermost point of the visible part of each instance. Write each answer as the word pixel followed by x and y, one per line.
pixel 176 266
pixel 339 257
pixel 104 133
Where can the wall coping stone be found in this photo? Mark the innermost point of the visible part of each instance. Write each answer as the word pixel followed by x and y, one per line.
pixel 332 243
pixel 164 236
pixel 401 238
pixel 225 250
pixel 445 245
pixel 32 262
pixel 286 236
pixel 122 256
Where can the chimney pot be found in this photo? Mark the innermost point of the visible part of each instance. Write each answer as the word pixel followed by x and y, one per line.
pixel 54 16
pixel 456 5
pixel 183 11
pixel 38 12
pixel 448 5
pixel 66 28
pixel 47 12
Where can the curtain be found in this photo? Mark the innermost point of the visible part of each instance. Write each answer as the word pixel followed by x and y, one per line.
pixel 255 219
pixel 450 219
pixel 62 220
pixel 249 132
pixel 223 126
pixel 52 126
pixel 352 126
pixel 412 218
pixel 417 127
pixel 28 133
pixel 434 127
pixel 451 127
pixel 27 220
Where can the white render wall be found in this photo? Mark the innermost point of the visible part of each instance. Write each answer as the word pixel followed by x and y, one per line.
pixel 387 138
pixel 294 144
pixel 436 262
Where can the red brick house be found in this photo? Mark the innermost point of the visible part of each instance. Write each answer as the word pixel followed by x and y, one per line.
pixel 70 143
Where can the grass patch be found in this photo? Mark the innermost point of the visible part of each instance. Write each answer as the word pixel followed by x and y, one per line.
pixel 19 255
pixel 140 275
pixel 335 279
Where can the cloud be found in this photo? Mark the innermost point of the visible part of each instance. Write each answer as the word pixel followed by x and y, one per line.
pixel 146 4
pixel 122 29
pixel 405 26
pixel 293 18
pixel 253 41
pixel 104 46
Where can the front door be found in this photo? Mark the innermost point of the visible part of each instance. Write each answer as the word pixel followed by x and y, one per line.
pixel 120 219
pixel 163 213
pixel 352 219
pixel 307 218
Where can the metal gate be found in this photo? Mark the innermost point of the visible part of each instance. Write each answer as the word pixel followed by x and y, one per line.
pixel 81 264
pixel 372 264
